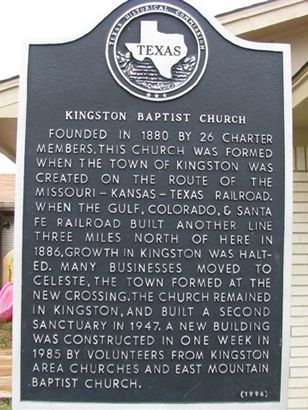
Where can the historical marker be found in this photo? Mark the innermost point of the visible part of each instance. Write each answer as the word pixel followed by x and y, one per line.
pixel 152 259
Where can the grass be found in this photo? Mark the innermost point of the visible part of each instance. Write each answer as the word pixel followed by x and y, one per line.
pixel 5 404
pixel 5 343
pixel 5 340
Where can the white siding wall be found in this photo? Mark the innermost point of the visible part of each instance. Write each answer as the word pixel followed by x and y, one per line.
pixel 298 382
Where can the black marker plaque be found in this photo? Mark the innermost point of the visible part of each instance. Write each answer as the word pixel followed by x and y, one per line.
pixel 153 215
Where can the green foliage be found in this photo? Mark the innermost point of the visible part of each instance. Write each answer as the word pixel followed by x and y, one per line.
pixel 5 337
pixel 5 404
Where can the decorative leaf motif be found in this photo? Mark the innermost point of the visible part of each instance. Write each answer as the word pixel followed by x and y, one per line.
pixel 124 60
pixel 189 63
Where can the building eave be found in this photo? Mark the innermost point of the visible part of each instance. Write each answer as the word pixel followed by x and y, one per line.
pixel 263 15
pixel 7 82
pixel 300 85
pixel 7 206
pixel 9 97
pixel 226 13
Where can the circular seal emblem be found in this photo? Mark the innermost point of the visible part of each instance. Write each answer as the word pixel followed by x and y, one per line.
pixel 157 51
